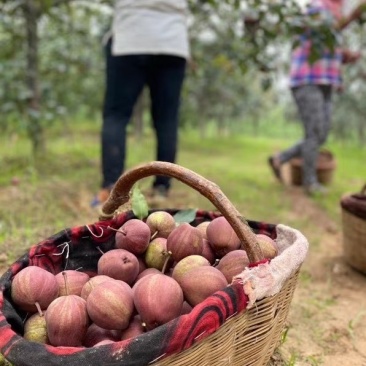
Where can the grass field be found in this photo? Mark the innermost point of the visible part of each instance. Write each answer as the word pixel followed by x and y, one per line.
pixel 40 198
pixel 50 188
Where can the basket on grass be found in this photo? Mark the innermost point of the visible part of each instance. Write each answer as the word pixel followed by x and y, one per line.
pixel 239 325
pixel 325 166
pixel 354 229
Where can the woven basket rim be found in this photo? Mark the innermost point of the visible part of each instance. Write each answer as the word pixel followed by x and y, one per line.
pixel 326 161
pixel 354 240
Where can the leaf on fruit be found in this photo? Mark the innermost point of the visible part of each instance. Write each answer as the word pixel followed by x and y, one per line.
pixel 139 204
pixel 185 216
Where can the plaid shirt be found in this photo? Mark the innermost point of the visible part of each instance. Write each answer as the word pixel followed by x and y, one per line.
pixel 325 71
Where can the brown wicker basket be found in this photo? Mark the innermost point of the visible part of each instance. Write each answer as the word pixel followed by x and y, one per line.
pixel 248 338
pixel 240 325
pixel 324 169
pixel 354 231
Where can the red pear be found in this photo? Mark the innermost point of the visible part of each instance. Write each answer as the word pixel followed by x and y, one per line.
pixel 119 264
pixel 110 305
pixel 158 299
pixel 142 264
pixel 147 272
pixel 183 241
pixel 202 227
pixel 161 224
pixel 134 329
pixel 96 334
pixel 34 288
pixel 94 281
pixel 233 263
pixel 186 264
pixel 134 236
pixel 201 282
pixel 222 236
pixel 71 282
pixel 208 252
pixel 186 308
pixel 268 246
pixel 67 321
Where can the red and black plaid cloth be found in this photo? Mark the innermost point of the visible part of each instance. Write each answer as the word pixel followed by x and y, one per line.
pixel 79 250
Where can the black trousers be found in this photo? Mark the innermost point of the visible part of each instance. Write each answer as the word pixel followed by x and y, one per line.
pixel 126 77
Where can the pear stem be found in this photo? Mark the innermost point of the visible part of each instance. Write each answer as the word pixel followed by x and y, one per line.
pixel 154 235
pixel 168 254
pixel 65 280
pixel 40 312
pixel 117 230
pixel 100 250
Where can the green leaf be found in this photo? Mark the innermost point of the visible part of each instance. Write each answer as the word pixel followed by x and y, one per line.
pixel 185 216
pixel 139 204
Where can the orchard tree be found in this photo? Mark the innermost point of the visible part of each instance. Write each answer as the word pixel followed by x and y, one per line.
pixel 217 89
pixel 51 54
pixel 349 121
pixel 35 36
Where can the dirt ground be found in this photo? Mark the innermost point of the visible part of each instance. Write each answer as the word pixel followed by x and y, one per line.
pixel 327 320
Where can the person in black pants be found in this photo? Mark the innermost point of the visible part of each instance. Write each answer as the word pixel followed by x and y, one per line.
pixel 126 77
pixel 148 45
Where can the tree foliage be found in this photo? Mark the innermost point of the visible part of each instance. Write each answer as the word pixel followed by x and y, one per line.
pixel 51 58
pixel 349 121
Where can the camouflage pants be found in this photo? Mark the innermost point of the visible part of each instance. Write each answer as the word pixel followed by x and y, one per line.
pixel 314 103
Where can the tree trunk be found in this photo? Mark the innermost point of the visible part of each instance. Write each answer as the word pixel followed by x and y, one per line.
pixel 221 122
pixel 35 129
pixel 202 127
pixel 202 118
pixel 361 131
pixel 255 124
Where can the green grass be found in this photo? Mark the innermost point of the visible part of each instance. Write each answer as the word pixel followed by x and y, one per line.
pixel 54 191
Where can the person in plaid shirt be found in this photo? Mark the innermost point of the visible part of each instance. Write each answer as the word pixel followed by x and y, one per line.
pixel 312 85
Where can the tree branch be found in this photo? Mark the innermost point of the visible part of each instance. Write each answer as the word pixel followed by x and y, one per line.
pixel 61 2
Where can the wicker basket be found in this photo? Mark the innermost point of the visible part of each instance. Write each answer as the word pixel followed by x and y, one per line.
pixel 326 164
pixel 247 339
pixel 354 230
pixel 249 315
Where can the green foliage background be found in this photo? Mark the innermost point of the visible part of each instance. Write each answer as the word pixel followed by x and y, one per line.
pixel 239 52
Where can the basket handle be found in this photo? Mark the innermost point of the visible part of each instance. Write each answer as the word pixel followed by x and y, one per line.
pixel 120 195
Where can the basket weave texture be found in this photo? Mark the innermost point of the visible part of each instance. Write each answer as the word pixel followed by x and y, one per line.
pixel 249 338
pixel 324 169
pixel 354 229
pixel 239 325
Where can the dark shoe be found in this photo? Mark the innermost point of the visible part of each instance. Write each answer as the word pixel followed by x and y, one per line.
pixel 315 189
pixel 276 168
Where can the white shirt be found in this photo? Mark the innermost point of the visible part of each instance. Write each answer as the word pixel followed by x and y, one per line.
pixel 150 27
